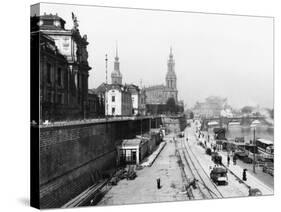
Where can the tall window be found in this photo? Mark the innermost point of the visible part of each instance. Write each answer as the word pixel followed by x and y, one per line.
pixel 59 78
pixel 113 98
pixel 113 111
pixel 49 73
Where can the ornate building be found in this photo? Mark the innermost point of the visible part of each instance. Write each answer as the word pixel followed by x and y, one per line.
pixel 159 94
pixel 118 99
pixel 211 107
pixel 64 72
pixel 116 76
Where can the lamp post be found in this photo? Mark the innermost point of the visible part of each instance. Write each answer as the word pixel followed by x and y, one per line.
pixel 254 145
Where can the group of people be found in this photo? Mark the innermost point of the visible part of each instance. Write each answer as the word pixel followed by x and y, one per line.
pixel 216 147
pixel 234 159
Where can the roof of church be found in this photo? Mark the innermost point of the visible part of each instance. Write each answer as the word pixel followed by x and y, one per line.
pixel 154 87
pixel 159 87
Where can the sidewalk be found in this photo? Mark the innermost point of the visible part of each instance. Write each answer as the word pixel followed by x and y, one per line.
pixel 143 189
pixel 151 158
pixel 252 181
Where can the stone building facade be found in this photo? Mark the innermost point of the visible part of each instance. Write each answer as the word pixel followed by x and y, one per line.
pixel 53 81
pixel 63 78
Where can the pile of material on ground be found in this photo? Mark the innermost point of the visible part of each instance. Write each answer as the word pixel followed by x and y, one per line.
pixel 119 175
pixel 129 173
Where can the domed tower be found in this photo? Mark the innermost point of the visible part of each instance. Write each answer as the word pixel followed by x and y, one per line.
pixel 116 76
pixel 171 78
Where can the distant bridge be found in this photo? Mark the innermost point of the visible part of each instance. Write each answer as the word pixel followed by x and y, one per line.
pixel 224 121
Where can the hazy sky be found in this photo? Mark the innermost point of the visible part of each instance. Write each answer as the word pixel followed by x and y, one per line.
pixel 228 56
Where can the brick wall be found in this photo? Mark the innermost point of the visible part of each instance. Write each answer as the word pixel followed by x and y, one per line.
pixel 73 157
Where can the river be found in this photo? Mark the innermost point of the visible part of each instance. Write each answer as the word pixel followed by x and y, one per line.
pixel 262 131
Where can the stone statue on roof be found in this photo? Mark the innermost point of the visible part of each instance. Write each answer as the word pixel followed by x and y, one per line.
pixel 75 22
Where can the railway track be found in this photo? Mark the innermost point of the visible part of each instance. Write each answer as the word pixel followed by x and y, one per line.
pixel 208 187
pixel 191 169
pixel 186 180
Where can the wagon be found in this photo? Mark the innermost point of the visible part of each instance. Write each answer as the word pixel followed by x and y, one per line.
pixel 219 175
pixel 208 151
pixel 216 158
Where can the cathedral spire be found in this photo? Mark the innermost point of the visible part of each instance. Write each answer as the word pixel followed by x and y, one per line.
pixel 116 54
pixel 171 78
pixel 116 76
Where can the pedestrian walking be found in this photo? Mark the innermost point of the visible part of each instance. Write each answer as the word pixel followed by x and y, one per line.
pixel 214 148
pixel 158 183
pixel 244 175
pixel 228 160
pixel 234 159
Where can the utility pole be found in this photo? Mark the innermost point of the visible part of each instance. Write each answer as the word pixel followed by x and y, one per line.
pixel 254 144
pixel 106 68
pixel 106 99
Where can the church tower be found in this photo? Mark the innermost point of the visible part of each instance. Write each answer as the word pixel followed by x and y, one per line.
pixel 116 76
pixel 171 78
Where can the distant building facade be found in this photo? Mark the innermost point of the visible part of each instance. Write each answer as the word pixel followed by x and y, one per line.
pixel 118 100
pixel 95 105
pixel 64 81
pixel 212 107
pixel 100 92
pixel 159 94
pixel 142 103
pixel 135 96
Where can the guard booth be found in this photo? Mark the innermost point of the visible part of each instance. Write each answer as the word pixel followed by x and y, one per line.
pixel 132 151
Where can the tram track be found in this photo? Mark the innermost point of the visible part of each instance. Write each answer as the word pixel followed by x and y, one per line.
pixel 207 183
pixel 186 180
pixel 191 173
